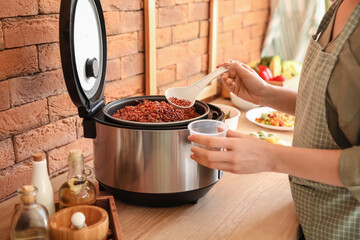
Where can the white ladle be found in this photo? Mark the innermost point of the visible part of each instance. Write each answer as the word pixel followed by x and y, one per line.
pixel 191 92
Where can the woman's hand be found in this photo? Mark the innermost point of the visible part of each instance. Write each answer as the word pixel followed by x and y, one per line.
pixel 243 81
pixel 245 154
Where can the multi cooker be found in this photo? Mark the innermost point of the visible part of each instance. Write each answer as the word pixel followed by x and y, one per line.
pixel 139 163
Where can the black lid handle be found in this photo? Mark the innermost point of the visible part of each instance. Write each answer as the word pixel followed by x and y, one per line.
pixel 92 68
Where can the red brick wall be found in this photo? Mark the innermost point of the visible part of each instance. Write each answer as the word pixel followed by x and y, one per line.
pixel 182 42
pixel 242 28
pixel 36 113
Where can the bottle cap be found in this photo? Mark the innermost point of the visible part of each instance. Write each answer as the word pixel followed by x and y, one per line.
pixel 78 220
pixel 38 156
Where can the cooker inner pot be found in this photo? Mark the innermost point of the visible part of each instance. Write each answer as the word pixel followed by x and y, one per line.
pixel 200 108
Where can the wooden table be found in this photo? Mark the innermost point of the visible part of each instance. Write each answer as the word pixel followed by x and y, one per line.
pixel 254 206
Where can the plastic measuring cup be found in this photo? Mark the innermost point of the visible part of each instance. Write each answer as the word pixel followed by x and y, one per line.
pixel 208 127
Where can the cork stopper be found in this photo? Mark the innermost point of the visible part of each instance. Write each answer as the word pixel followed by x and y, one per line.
pixel 75 157
pixel 37 157
pixel 27 189
pixel 27 194
pixel 75 152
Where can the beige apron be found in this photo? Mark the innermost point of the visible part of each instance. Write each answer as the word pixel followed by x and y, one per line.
pixel 324 211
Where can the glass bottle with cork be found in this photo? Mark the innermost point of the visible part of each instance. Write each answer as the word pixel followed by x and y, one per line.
pixel 31 220
pixel 77 190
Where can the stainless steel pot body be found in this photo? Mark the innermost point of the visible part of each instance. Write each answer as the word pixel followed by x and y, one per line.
pixel 148 161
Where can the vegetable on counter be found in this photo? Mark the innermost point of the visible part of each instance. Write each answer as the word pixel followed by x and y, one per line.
pixel 264 72
pixel 291 69
pixel 277 66
pixel 279 78
pixel 265 61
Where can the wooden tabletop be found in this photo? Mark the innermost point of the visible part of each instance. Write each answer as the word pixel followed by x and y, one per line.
pixel 253 206
pixel 257 206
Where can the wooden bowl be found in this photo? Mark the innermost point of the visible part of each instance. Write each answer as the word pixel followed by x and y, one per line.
pixel 97 221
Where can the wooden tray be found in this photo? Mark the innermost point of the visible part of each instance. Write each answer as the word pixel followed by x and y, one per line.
pixel 107 203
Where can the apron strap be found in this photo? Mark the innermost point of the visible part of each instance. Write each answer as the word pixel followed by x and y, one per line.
pixel 342 38
pixel 327 17
pixel 348 29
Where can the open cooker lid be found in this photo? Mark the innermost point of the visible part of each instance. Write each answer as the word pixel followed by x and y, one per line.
pixel 83 53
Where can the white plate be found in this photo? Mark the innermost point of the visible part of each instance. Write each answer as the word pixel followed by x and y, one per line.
pixel 252 114
pixel 285 143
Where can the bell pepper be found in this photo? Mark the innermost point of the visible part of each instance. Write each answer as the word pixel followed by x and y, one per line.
pixel 279 78
pixel 264 72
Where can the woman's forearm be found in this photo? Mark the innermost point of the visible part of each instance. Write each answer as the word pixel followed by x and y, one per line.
pixel 279 98
pixel 312 164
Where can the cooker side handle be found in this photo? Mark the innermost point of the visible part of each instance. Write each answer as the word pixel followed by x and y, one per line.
pixel 88 118
pixel 89 128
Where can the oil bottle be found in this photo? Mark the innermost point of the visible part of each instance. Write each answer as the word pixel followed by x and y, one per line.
pixel 77 190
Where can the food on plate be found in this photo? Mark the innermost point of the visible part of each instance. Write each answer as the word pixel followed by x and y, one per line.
pixel 277 119
pixel 267 137
pixel 227 115
pixel 180 102
pixel 154 112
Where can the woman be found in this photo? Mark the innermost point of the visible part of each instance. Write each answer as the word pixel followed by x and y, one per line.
pixel 324 162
